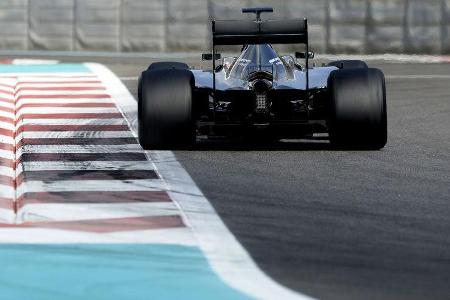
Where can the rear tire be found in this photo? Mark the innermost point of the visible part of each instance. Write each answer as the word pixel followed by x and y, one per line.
pixel 357 114
pixel 348 64
pixel 161 65
pixel 165 109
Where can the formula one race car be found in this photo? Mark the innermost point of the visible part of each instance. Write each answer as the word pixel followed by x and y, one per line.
pixel 261 93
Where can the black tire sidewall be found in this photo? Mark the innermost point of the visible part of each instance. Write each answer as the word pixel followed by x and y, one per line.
pixel 357 108
pixel 165 109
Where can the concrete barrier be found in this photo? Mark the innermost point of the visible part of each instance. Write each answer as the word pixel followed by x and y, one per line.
pixel 336 26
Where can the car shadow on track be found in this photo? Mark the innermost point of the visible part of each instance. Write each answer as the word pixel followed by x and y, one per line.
pixel 313 144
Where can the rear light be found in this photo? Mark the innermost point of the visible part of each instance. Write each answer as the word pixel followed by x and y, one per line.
pixel 261 89
pixel 261 103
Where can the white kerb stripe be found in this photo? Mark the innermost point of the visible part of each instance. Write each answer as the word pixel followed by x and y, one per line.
pixel 7 154
pixel 7 114
pixel 6 171
pixel 6 191
pixel 7 216
pixel 63 101
pixel 57 85
pixel 6 139
pixel 65 110
pixel 85 166
pixel 135 148
pixel 117 121
pixel 8 96
pixel 44 93
pixel 173 236
pixel 93 211
pixel 9 126
pixel 48 76
pixel 4 105
pixel 8 89
pixel 73 134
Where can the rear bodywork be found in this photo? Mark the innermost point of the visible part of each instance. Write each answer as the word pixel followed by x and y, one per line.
pixel 261 90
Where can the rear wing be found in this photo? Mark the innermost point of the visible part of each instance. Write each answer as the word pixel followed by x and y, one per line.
pixel 241 32
pixel 244 32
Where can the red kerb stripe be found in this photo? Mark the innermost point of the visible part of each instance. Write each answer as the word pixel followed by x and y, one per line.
pixel 121 175
pixel 6 92
pixel 72 116
pixel 91 104
pixel 65 96
pixel 7 109
pixel 61 88
pixel 7 100
pixel 7 120
pixel 77 141
pixel 6 203
pixel 4 162
pixel 6 180
pixel 125 156
pixel 92 197
pixel 6 132
pixel 7 85
pixel 7 147
pixel 108 225
pixel 35 128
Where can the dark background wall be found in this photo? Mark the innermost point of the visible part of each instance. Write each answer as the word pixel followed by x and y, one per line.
pixel 336 26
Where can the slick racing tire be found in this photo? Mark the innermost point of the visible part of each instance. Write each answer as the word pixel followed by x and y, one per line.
pixel 165 109
pixel 348 64
pixel 161 65
pixel 357 109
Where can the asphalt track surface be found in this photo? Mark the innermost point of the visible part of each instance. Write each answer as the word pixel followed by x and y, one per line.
pixel 342 224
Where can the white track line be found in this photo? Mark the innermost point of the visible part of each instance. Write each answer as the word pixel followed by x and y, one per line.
pixel 224 253
pixel 29 61
pixel 417 76
pixel 389 58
